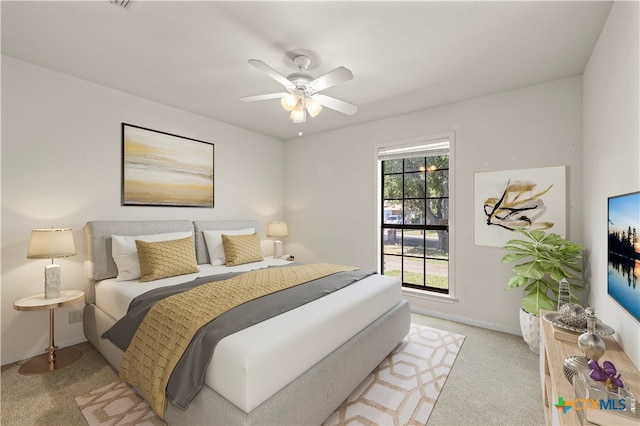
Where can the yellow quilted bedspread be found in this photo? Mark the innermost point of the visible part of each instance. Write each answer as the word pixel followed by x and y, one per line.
pixel 171 323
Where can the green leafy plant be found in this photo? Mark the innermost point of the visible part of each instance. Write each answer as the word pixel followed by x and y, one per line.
pixel 548 258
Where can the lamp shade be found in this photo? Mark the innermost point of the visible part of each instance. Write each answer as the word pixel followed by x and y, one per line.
pixel 298 113
pixel 277 229
pixel 50 243
pixel 313 107
pixel 289 101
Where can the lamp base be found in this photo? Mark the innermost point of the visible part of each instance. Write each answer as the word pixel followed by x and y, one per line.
pixel 52 281
pixel 41 363
pixel 277 249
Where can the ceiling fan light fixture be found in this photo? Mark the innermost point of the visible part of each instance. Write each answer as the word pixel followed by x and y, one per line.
pixel 303 95
pixel 289 101
pixel 298 113
pixel 313 107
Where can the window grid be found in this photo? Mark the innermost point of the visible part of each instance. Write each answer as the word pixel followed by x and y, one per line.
pixel 396 171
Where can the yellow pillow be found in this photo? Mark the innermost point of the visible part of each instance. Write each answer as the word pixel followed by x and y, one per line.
pixel 239 249
pixel 164 259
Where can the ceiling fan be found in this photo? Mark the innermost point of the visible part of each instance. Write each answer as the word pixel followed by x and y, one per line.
pixel 302 94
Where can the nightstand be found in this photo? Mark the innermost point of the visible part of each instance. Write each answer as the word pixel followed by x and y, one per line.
pixel 51 360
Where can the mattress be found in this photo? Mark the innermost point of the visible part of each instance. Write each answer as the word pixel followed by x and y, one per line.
pixel 250 366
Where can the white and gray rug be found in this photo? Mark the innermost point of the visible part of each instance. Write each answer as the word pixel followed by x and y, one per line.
pixel 401 391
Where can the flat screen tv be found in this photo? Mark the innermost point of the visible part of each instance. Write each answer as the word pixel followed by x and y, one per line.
pixel 623 266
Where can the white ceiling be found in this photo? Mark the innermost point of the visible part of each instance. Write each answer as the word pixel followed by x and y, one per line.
pixel 405 56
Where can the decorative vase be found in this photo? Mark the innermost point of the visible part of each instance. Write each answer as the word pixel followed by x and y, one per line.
pixel 530 328
pixel 575 365
pixel 591 344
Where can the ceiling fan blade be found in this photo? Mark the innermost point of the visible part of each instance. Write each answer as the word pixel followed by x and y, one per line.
pixel 263 97
pixel 336 104
pixel 272 73
pixel 331 78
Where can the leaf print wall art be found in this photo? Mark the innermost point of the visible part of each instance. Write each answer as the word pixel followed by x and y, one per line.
pixel 524 198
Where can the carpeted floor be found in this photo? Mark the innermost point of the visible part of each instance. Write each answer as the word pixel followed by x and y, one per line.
pixel 402 390
pixel 495 381
pixel 48 399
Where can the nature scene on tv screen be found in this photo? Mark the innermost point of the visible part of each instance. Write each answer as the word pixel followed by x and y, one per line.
pixel 624 251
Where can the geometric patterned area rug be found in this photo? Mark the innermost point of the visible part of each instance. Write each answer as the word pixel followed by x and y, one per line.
pixel 401 390
pixel 116 404
pixel 405 386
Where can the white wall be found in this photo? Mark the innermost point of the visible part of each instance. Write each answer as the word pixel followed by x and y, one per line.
pixel 61 156
pixel 61 167
pixel 611 153
pixel 331 179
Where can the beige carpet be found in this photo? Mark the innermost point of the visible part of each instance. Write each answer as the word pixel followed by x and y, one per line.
pixel 402 390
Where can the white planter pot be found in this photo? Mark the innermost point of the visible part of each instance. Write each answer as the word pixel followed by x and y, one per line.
pixel 530 328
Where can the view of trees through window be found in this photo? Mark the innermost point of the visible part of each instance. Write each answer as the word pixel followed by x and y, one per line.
pixel 415 221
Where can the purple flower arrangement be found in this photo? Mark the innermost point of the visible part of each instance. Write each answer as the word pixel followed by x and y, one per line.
pixel 605 374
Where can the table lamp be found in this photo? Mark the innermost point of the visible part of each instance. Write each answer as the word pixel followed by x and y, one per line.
pixel 51 243
pixel 277 230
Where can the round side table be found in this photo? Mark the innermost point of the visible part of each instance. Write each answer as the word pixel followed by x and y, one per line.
pixel 51 360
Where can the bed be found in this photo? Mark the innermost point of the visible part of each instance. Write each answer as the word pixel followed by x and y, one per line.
pixel 294 368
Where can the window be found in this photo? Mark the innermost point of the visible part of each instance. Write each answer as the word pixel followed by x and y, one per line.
pixel 414 230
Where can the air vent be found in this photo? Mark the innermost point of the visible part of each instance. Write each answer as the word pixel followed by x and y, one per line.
pixel 122 3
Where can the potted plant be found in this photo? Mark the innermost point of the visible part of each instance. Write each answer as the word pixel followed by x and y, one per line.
pixel 547 259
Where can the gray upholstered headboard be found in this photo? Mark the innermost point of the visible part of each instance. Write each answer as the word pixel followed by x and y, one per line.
pixel 98 261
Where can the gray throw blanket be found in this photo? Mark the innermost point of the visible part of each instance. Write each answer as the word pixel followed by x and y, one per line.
pixel 188 375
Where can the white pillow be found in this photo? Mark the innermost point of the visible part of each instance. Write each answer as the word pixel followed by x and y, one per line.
pixel 125 253
pixel 214 243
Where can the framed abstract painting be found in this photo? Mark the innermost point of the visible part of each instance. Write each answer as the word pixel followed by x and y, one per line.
pixel 523 198
pixel 162 169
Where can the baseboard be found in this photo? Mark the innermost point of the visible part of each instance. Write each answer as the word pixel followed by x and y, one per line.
pixel 467 321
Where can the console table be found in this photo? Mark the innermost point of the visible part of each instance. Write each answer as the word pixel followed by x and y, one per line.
pixel 553 352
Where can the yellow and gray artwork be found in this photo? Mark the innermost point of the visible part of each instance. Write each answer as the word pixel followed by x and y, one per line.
pixel 161 169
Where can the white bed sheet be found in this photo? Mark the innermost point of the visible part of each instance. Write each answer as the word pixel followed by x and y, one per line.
pixel 250 366
pixel 113 297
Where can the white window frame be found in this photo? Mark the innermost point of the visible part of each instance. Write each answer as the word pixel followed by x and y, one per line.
pixel 406 148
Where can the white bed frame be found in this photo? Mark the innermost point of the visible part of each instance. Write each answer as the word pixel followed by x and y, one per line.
pixel 308 400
